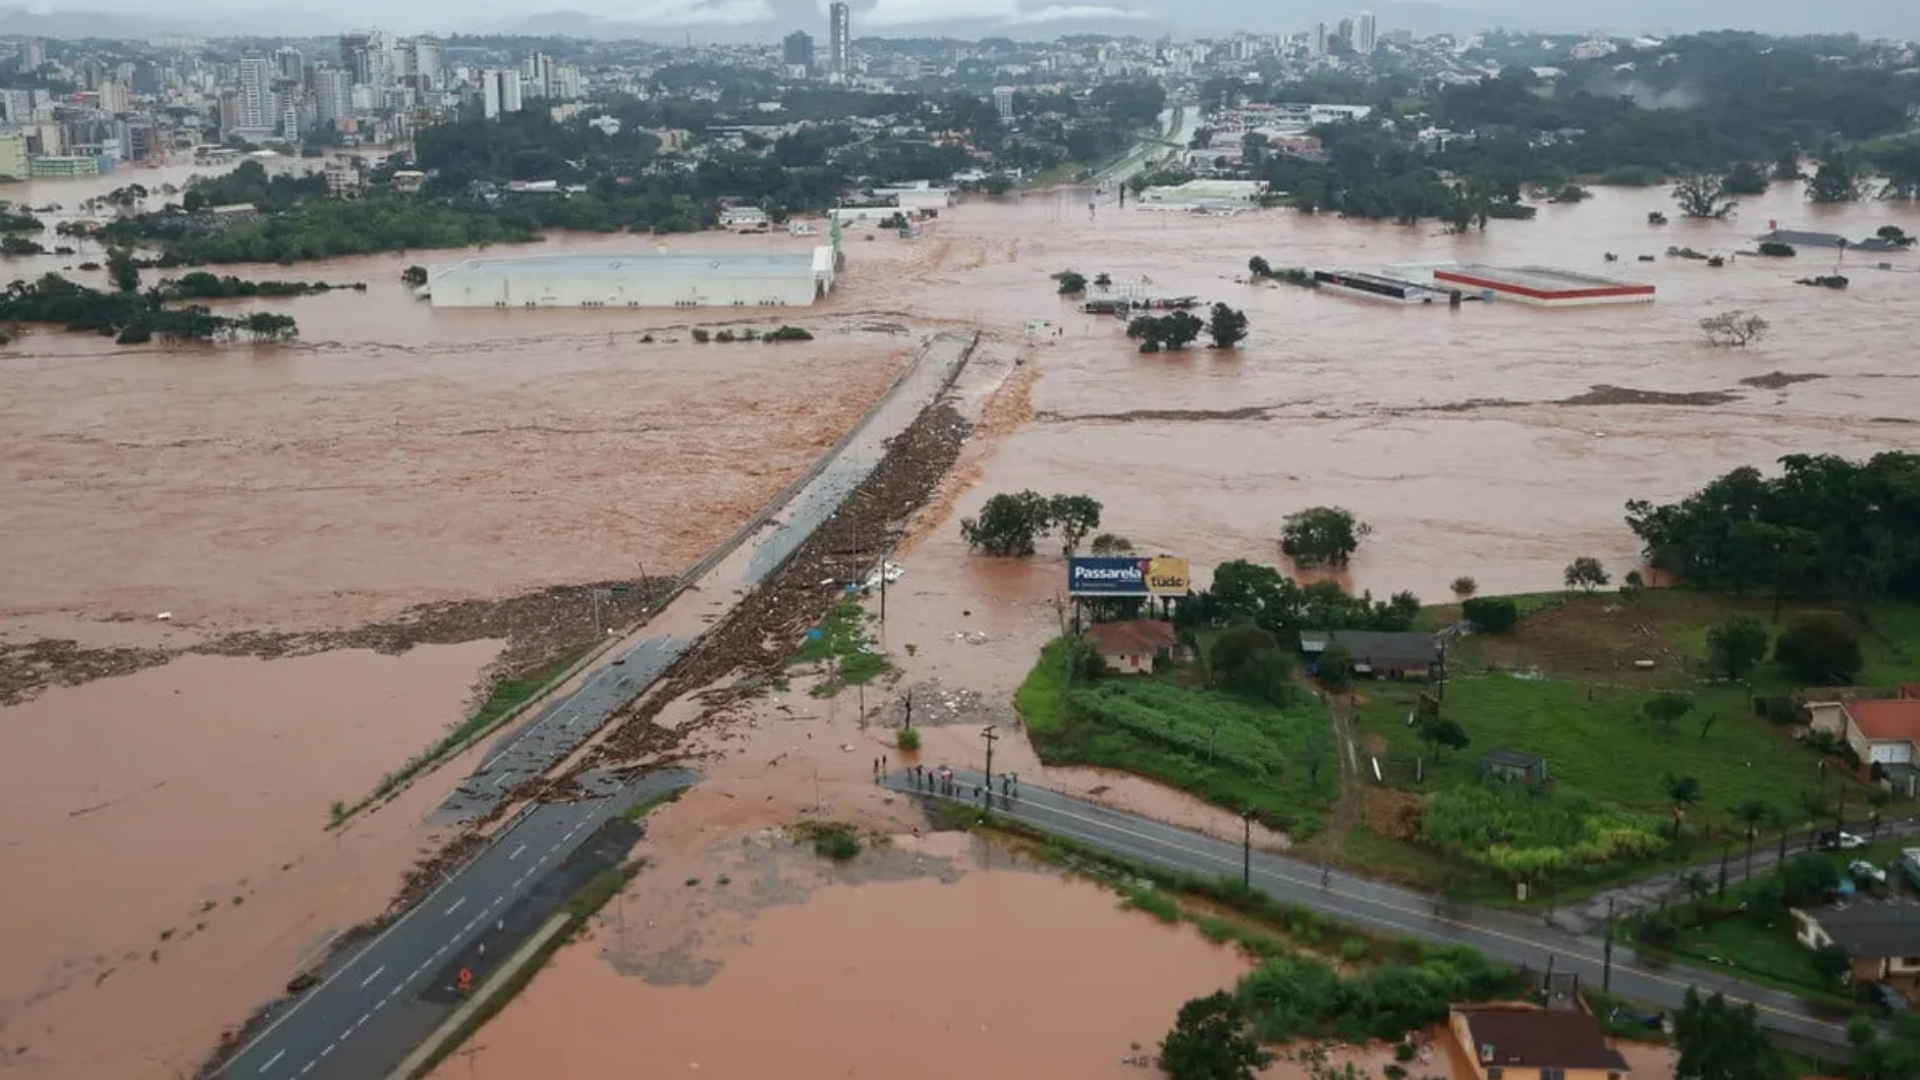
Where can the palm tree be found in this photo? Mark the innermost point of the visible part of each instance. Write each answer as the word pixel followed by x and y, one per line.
pixel 1682 791
pixel 1751 813
pixel 1815 804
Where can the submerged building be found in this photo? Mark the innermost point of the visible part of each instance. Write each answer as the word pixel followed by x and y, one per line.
pixel 637 279
pixel 1542 286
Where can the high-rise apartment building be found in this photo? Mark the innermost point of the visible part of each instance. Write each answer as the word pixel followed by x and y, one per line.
pixel 1003 102
pixel 840 40
pixel 258 112
pixel 426 60
pixel 797 50
pixel 1365 34
pixel 1344 31
pixel 287 62
pixel 332 94
pixel 1320 39
pixel 500 92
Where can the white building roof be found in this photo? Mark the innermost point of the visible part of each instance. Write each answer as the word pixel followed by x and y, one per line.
pixel 678 264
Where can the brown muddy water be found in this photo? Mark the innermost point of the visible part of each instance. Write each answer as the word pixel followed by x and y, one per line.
pixel 396 455
pixel 163 836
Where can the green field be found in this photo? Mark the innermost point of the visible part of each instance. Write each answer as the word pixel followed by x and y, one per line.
pixel 1227 750
pixel 1566 685
pixel 844 651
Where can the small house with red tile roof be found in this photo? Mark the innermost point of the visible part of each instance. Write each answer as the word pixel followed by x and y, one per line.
pixel 1885 732
pixel 1130 647
pixel 1515 1043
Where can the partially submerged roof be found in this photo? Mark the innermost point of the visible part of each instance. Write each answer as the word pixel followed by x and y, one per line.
pixel 1540 1039
pixel 730 265
pixel 1131 638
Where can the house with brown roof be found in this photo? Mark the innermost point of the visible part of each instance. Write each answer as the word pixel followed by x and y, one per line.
pixel 1883 731
pixel 1130 647
pixel 1519 1043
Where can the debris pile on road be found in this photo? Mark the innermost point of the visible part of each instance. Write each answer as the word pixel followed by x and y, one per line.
pixel 537 626
pixel 761 634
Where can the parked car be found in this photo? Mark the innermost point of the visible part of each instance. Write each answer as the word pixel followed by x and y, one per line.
pixel 1862 871
pixel 301 982
pixel 1836 840
pixel 1888 999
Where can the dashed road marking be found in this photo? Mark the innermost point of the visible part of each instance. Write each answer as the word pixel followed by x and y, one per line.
pixel 456 905
pixel 308 1067
pixel 516 852
pixel 364 1017
pixel 329 1049
pixel 272 1061
pixel 364 983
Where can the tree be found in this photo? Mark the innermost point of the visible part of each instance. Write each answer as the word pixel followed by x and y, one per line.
pixel 269 326
pixel 1175 331
pixel 414 275
pixel 1682 792
pixel 1320 535
pixel 122 270
pixel 1666 708
pixel 1076 516
pixel 1751 813
pixel 1491 614
pixel 1210 1041
pixel 1703 195
pixel 1787 165
pixel 1226 326
pixel 1836 181
pixel 1586 574
pixel 1745 178
pixel 1734 328
pixel 1719 1040
pixel 1831 962
pixel 1464 586
pixel 1258 267
pixel 1440 732
pixel 1102 280
pixel 1007 524
pixel 1247 660
pixel 1819 647
pixel 1892 1056
pixel 1071 283
pixel 1335 668
pixel 1736 645
pixel 1111 544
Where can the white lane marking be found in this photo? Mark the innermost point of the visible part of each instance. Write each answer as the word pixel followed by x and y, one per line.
pixel 308 1067
pixel 272 1061
pixel 329 1049
pixel 369 979
pixel 364 1017
pixel 456 905
pixel 516 852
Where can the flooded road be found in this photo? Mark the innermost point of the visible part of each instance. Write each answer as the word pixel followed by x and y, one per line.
pixel 998 972
pixel 167 828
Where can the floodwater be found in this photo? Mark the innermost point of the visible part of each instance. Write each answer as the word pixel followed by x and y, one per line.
pixel 163 836
pixel 397 454
pixel 997 973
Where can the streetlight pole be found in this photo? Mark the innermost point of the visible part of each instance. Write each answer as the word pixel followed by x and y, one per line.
pixel 1246 849
pixel 1606 969
pixel 991 737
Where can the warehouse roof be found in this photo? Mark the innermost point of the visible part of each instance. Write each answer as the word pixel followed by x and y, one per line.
pixel 730 265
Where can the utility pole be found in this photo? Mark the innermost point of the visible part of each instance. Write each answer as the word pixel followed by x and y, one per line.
pixel 597 632
pixel 991 737
pixel 1246 849
pixel 1606 968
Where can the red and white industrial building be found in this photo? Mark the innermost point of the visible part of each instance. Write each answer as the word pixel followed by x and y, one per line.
pixel 1541 286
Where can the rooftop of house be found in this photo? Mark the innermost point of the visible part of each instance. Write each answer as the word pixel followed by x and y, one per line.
pixel 1870 929
pixel 1374 646
pixel 1886 719
pixel 1500 755
pixel 1133 637
pixel 1540 1038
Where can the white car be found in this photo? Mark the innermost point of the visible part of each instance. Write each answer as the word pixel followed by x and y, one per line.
pixel 1830 840
pixel 1862 870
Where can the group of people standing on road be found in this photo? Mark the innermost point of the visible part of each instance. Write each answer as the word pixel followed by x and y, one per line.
pixel 941 781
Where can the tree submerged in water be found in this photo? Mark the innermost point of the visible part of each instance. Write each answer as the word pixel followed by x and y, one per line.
pixel 1734 328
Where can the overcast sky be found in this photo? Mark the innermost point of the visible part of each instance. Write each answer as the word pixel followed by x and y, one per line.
pixel 768 18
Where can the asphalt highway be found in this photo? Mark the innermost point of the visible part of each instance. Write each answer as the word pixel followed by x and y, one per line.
pixel 372 1008
pixel 1512 937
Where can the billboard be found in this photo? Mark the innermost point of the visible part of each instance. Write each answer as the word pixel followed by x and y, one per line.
pixel 1162 575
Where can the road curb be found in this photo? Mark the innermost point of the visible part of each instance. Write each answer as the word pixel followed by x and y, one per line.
pixel 453 1027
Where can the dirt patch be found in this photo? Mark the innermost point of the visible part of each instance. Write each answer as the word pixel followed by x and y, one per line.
pixel 1375 745
pixel 1392 813
pixel 1603 394
pixel 536 626
pixel 1776 380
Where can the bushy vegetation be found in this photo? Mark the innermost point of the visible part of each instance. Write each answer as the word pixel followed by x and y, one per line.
pixel 1010 524
pixel 1231 750
pixel 1290 998
pixel 200 285
pixel 844 649
pixel 1532 835
pixel 132 317
pixel 1251 592
pixel 1322 535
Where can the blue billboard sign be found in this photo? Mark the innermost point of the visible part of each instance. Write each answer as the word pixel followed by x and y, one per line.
pixel 1127 576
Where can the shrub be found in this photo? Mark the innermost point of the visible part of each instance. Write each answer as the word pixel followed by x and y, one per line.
pixel 724 337
pixel 789 333
pixel 701 335
pixel 1820 646
pixel 908 739
pixel 1534 834
pixel 1491 614
pixel 836 842
pixel 1464 586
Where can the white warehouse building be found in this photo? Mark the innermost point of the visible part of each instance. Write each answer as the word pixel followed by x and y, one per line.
pixel 636 279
